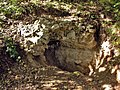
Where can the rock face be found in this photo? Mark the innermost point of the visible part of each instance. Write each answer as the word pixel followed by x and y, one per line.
pixel 71 59
pixel 70 45
pixel 72 49
pixel 72 53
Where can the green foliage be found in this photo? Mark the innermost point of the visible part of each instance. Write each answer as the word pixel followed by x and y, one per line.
pixel 11 9
pixel 111 7
pixel 112 10
pixel 114 34
pixel 13 1
pixel 76 73
pixel 11 49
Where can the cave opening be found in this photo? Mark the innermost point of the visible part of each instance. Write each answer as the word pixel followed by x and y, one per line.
pixel 53 45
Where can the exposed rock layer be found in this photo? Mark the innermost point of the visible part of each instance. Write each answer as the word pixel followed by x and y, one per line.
pixel 70 45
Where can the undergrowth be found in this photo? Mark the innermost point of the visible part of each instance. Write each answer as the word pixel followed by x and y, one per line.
pixel 11 49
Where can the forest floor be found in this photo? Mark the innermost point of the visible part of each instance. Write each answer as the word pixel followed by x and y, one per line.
pixel 21 77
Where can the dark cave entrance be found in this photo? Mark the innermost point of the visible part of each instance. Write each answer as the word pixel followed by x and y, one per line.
pixel 53 45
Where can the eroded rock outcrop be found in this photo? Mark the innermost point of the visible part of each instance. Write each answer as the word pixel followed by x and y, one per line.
pixel 70 45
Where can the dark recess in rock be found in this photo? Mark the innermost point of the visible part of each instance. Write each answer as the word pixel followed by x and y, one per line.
pixel 50 52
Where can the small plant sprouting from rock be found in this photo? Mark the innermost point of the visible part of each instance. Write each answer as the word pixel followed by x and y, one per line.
pixel 11 49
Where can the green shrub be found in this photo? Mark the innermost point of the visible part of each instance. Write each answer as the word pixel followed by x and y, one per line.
pixel 11 9
pixel 111 7
pixel 11 49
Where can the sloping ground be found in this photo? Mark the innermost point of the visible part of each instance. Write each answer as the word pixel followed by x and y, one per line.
pixel 23 77
pixel 43 78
